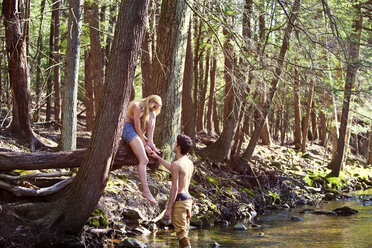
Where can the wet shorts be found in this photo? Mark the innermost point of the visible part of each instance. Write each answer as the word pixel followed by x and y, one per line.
pixel 129 132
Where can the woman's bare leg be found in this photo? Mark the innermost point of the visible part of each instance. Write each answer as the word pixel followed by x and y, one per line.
pixel 139 150
pixel 150 132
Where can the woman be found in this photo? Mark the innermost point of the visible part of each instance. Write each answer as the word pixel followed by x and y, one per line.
pixel 140 120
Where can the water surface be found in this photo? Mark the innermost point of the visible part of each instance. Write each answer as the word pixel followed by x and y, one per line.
pixel 278 230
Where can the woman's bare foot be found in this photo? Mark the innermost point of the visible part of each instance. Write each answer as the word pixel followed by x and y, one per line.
pixel 149 197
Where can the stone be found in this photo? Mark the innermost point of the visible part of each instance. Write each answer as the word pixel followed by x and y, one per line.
pixel 131 242
pixel 214 245
pixel 240 227
pixel 345 211
pixel 131 214
pixel 295 218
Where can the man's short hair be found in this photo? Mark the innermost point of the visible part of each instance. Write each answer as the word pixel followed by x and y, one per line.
pixel 185 143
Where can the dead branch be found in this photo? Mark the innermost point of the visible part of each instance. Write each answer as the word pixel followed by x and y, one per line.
pixel 23 191
pixel 71 159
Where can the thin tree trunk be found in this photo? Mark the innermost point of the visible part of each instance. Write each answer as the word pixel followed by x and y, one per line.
pixel 307 117
pixel 89 102
pixel 71 76
pixel 188 117
pixel 369 152
pixel 297 112
pixel 201 105
pixel 49 80
pixel 39 48
pixel 323 128
pixel 168 65
pixel 216 122
pixel 96 52
pixel 211 93
pixel 56 22
pixel 18 73
pixel 351 71
pixel 274 84
pixel 313 122
pixel 197 55
pixel 146 55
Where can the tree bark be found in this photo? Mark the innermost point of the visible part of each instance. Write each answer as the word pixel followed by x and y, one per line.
pixel 351 71
pixel 56 23
pixel 323 128
pixel 18 73
pixel 168 65
pixel 369 152
pixel 201 105
pixel 307 117
pixel 89 100
pixel 58 160
pixel 96 52
pixel 313 121
pixel 211 93
pixel 274 83
pixel 71 76
pixel 146 52
pixel 188 117
pixel 297 112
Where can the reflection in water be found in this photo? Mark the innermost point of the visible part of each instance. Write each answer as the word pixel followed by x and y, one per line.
pixel 319 231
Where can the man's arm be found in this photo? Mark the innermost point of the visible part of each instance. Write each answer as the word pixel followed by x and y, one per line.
pixel 175 172
pixel 162 160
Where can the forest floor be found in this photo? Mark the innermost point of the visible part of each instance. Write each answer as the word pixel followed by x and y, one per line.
pixel 279 177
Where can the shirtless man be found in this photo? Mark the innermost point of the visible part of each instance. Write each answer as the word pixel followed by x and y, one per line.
pixel 180 201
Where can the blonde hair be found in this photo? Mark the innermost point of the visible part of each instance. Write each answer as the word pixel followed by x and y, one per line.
pixel 144 104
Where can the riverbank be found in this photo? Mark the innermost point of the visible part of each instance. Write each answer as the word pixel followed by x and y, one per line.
pixel 278 178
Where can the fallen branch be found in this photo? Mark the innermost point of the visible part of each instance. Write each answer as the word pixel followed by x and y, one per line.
pixel 23 191
pixel 71 159
pixel 34 175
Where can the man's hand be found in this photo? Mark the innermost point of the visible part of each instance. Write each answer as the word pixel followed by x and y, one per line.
pixel 154 155
pixel 148 150
pixel 167 214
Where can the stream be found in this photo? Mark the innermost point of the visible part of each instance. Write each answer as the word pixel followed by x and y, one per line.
pixel 278 230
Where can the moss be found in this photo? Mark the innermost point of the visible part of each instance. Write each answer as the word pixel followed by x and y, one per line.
pixel 249 192
pixel 98 218
pixel 212 181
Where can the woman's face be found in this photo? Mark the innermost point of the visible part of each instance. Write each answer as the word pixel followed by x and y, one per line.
pixel 153 106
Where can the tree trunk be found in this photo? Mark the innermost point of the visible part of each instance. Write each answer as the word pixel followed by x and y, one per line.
pixel 56 22
pixel 96 52
pixel 49 82
pixel 313 122
pixel 168 65
pixel 71 76
pixel 18 73
pixel 197 55
pixel 188 117
pixel 351 71
pixel 323 128
pixel 297 112
pixel 201 105
pixel 146 53
pixel 58 160
pixel 307 117
pixel 216 122
pixel 89 102
pixel 274 84
pixel 211 93
pixel 39 48
pixel 369 152
pixel 228 74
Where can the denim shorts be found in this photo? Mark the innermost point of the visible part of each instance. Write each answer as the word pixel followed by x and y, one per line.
pixel 129 132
